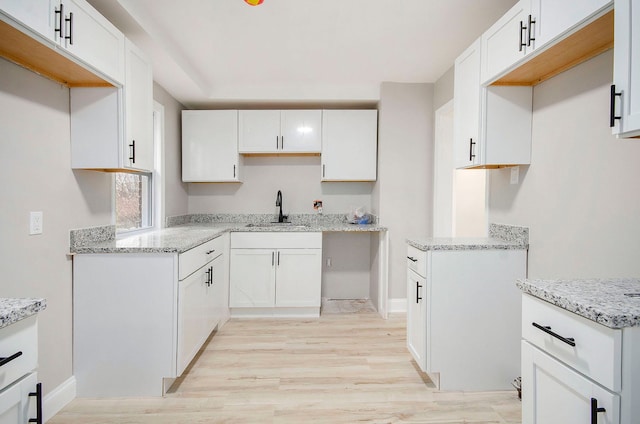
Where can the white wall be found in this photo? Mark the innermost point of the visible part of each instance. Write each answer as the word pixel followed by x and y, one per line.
pixel 579 196
pixel 36 175
pixel 404 192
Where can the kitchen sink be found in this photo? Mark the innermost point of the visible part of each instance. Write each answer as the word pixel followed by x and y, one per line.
pixel 277 225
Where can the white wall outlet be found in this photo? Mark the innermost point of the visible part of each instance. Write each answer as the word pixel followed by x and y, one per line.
pixel 35 223
pixel 328 262
pixel 515 175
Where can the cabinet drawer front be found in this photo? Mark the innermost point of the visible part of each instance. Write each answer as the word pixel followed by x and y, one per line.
pixel 417 261
pixel 21 337
pixel 597 350
pixel 276 240
pixel 191 260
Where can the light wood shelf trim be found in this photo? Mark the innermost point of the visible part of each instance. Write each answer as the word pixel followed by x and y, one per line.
pixel 587 42
pixel 28 52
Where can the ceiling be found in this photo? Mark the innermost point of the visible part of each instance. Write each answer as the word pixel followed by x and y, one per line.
pixel 208 53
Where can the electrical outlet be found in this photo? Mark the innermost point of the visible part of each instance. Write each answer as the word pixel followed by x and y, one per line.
pixel 35 223
pixel 515 175
pixel 328 262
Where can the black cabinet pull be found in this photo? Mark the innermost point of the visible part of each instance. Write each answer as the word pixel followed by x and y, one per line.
pixel 38 395
pixel 273 256
pixel 211 275
pixel 60 20
pixel 612 105
pixel 277 145
pixel 278 258
pixel 412 259
pixel 282 142
pixel 595 410
pixel 210 251
pixel 522 29
pixel 418 287
pixel 132 146
pixel 234 171
pixel 8 359
pixel 471 154
pixel 69 31
pixel 568 340
pixel 530 31
pixel 322 170
pixel 208 272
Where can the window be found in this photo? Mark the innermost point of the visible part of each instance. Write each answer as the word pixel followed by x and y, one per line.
pixel 133 203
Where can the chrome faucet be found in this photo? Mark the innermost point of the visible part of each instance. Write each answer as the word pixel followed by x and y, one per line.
pixel 279 203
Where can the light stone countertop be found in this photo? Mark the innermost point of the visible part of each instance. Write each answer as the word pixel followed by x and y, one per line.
pixel 604 301
pixel 501 237
pixel 181 238
pixel 13 310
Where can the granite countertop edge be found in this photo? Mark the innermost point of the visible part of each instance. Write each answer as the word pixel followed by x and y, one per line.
pixel 600 300
pixel 501 237
pixel 13 310
pixel 205 233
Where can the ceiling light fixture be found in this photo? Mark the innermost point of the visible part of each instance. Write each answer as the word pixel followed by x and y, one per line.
pixel 254 2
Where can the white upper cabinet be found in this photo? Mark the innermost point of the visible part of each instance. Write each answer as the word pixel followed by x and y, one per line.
pixel 506 41
pixel 538 26
pixel 275 131
pixel 349 145
pixel 138 93
pixel 492 124
pixel 625 93
pixel 210 146
pixel 112 128
pixel 75 28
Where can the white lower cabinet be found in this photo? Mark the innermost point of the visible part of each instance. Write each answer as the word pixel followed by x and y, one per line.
pixel 463 316
pixel 575 370
pixel 21 402
pixel 273 273
pixel 140 318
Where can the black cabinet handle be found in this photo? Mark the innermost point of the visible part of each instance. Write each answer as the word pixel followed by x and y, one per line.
pixel 210 251
pixel 282 142
pixel 69 31
pixel 595 410
pixel 273 256
pixel 530 31
pixel 471 154
pixel 208 272
pixel 568 340
pixel 278 258
pixel 211 275
pixel 60 20
pixel 38 395
pixel 412 259
pixel 277 145
pixel 612 105
pixel 418 287
pixel 234 171
pixel 8 359
pixel 522 29
pixel 132 158
pixel 322 170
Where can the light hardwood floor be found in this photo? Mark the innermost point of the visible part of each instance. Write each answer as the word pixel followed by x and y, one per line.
pixel 339 368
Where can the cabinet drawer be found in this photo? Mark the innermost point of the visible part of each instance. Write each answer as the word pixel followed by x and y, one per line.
pixel 20 337
pixel 279 240
pixel 192 259
pixel 417 260
pixel 597 350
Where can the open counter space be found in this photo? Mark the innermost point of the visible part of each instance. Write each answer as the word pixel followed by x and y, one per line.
pixel 614 302
pixel 14 310
pixel 191 231
pixel 500 237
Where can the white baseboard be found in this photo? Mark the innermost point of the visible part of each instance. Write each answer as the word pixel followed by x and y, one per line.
pixel 58 398
pixel 397 305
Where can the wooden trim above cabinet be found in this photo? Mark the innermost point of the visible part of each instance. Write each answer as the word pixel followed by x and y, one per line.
pixel 587 42
pixel 44 60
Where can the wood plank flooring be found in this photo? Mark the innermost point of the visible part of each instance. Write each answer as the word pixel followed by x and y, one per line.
pixel 339 368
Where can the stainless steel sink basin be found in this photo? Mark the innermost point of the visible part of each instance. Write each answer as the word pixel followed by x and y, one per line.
pixel 278 225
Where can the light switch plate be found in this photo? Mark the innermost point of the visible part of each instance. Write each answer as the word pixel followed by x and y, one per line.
pixel 35 223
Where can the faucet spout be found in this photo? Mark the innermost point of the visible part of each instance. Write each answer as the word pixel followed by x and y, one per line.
pixel 279 204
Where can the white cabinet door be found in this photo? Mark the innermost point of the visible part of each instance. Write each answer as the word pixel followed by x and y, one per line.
pixel 466 105
pixel 298 277
pixel 94 40
pixel 217 292
pixel 192 316
pixel 626 70
pixel 505 42
pixel 138 92
pixel 210 146
pixel 552 18
pixel 16 406
pixel 252 278
pixel 349 145
pixel 554 393
pixel 300 131
pixel 259 131
pixel 416 318
pixel 38 15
